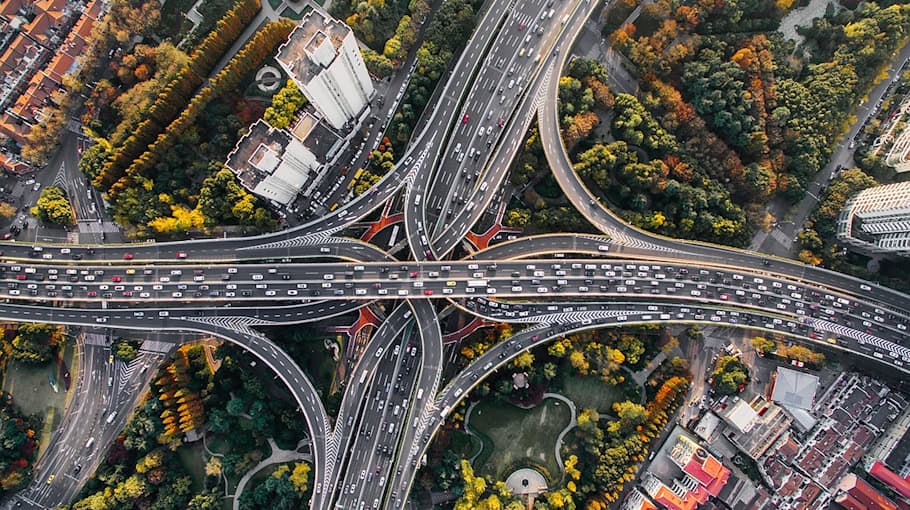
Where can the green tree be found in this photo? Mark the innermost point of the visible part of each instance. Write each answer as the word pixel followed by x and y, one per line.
pixel 285 104
pixel 763 345
pixel 729 374
pixel 53 207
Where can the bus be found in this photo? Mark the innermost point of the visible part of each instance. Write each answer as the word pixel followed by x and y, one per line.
pixel 394 235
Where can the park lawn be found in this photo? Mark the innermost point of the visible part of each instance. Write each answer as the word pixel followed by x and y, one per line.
pixel 518 434
pixel 31 389
pixel 465 445
pixel 590 392
pixel 191 460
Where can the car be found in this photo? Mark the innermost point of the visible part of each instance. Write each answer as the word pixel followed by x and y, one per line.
pixel 50 479
pixel 101 320
pixel 36 187
pixel 127 256
pixel 427 292
pixel 7 236
pixel 181 255
pixel 464 120
pixel 116 279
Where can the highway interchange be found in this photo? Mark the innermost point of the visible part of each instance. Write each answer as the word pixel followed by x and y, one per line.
pixel 368 455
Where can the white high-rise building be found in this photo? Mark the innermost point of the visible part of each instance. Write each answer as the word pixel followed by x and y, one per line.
pixel 877 220
pixel 322 57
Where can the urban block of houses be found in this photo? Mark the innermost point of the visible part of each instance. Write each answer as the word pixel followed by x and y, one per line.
pixel 809 462
pixel 40 42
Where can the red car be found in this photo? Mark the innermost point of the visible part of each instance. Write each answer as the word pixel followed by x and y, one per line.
pixel 181 254
pixel 127 256
pixel 116 279
pixel 20 276
pixel 413 274
pixel 428 292
pixel 464 120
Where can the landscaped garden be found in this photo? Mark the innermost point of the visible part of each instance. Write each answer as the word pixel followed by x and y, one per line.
pixel 516 434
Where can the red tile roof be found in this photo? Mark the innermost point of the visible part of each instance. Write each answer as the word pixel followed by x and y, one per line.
pixel 890 478
pixel 13 128
pixel 9 8
pixel 35 96
pixel 11 165
pixel 849 502
pixel 669 499
pixel 92 10
pixel 865 494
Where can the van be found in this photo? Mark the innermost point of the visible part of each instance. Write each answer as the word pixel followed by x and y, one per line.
pixel 551 13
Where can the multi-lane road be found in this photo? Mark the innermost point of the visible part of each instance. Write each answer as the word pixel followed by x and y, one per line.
pixel 367 456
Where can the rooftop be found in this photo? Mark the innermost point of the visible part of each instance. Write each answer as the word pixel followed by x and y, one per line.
pixel 900 485
pixel 316 136
pixel 858 494
pixel 741 416
pixel 794 389
pixel 306 52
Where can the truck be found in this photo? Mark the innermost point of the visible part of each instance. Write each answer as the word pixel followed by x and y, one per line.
pixel 477 283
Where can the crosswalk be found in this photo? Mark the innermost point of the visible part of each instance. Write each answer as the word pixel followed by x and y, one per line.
pixel 521 18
